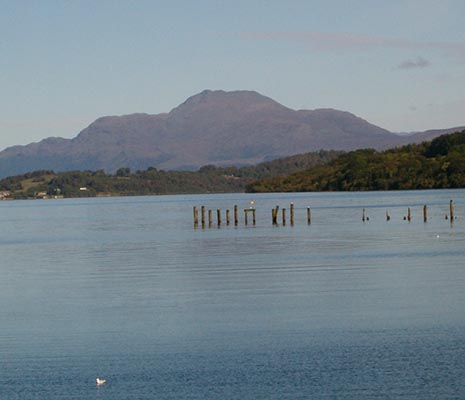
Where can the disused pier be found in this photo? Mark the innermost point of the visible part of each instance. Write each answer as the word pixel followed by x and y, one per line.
pixel 280 216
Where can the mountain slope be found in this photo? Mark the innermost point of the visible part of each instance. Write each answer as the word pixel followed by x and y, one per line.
pixel 438 164
pixel 212 127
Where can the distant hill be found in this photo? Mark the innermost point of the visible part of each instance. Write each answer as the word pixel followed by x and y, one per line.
pixel 437 164
pixel 212 127
pixel 208 179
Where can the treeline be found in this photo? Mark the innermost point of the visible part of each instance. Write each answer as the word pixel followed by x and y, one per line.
pixel 208 179
pixel 437 164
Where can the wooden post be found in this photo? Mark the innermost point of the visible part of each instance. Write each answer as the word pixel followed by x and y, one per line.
pixel 425 213
pixel 291 213
pixel 210 218
pixel 196 217
pixel 284 216
pixel 388 217
pixel 451 208
pixel 203 216
pixel 363 215
pixel 228 221
pixel 245 217
pixel 274 215
pixel 236 220
pixel 253 217
pixel 409 215
pixel 309 216
pixel 218 217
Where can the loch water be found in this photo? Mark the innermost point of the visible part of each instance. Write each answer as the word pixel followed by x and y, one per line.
pixel 128 290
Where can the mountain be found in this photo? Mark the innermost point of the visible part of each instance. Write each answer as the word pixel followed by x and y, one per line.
pixel 212 127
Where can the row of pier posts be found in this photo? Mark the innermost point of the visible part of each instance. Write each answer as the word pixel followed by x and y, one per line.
pixel 275 214
pixel 204 212
pixel 247 213
pixel 408 217
pixel 251 213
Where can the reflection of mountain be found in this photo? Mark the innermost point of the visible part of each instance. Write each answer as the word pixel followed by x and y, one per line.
pixel 212 127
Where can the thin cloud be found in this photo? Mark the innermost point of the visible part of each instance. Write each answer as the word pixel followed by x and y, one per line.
pixel 330 41
pixel 419 62
pixel 327 41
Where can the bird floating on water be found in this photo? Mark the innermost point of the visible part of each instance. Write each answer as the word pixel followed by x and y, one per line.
pixel 100 381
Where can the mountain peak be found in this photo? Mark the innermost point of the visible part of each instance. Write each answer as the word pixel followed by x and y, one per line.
pixel 239 100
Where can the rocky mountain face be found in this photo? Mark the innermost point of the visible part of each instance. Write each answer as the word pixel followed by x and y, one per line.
pixel 212 127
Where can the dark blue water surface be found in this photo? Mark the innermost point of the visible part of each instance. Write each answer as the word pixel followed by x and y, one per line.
pixel 128 290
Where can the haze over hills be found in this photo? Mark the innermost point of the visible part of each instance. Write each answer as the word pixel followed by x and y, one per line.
pixel 212 127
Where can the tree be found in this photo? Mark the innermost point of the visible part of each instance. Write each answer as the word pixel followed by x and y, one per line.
pixel 123 172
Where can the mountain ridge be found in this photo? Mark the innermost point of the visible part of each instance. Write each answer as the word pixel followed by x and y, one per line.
pixel 212 127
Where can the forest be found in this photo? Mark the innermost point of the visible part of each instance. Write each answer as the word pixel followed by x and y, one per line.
pixel 438 164
pixel 123 182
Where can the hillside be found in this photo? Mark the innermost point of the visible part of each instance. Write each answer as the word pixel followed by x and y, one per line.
pixel 431 165
pixel 213 127
pixel 208 179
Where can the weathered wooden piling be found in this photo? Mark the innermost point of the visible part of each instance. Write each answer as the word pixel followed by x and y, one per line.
pixel 228 219
pixel 273 217
pixel 202 210
pixel 210 218
pixel 291 213
pixel 284 216
pixel 309 216
pixel 218 217
pixel 196 217
pixel 451 209
pixel 246 213
pixel 425 213
pixel 388 217
pixel 409 215
pixel 236 219
pixel 364 215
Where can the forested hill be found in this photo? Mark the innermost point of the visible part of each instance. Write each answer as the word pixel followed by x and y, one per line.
pixel 208 179
pixel 430 165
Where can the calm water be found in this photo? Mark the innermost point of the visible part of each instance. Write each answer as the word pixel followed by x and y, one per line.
pixel 128 290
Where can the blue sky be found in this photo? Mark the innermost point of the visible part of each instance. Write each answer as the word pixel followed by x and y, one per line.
pixel 397 64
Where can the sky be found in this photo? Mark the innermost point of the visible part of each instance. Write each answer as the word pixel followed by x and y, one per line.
pixel 398 64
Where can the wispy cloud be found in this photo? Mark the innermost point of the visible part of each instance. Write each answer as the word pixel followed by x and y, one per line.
pixel 419 62
pixel 327 41
pixel 331 41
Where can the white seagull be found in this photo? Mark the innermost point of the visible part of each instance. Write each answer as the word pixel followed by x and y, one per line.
pixel 100 382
